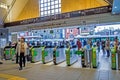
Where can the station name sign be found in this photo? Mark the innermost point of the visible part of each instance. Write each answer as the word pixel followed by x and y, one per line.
pixel 99 10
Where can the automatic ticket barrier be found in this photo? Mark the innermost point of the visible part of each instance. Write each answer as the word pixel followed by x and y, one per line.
pixel 113 58
pixel 88 57
pixel 47 54
pixel 58 54
pixel 9 52
pixel 81 53
pixel 71 56
pixel 36 53
pixel 94 57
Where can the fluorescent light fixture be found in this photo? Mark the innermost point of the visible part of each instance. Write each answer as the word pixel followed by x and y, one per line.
pixel 2 5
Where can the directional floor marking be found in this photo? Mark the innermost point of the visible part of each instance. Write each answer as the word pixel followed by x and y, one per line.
pixel 11 77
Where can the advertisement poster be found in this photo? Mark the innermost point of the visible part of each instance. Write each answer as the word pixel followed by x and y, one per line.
pixel 71 33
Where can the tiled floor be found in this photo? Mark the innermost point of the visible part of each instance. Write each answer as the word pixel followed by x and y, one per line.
pixel 39 71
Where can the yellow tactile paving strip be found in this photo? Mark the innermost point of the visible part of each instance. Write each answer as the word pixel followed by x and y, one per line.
pixel 11 77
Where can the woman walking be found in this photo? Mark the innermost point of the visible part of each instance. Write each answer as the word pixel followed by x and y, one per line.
pixel 22 52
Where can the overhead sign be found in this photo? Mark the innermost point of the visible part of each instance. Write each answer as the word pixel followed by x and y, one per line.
pixel 116 7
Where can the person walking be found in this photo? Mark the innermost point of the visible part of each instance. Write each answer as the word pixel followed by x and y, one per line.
pixel 79 44
pixel 17 51
pixel 103 47
pixel 118 52
pixel 98 46
pixel 22 52
pixel 116 42
pixel 107 45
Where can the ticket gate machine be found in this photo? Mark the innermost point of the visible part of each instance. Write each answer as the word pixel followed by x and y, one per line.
pixel 59 54
pixel 9 52
pixel 36 53
pixel 71 56
pixel 47 54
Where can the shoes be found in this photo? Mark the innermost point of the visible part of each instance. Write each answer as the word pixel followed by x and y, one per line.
pixel 23 65
pixel 1 63
pixel 20 68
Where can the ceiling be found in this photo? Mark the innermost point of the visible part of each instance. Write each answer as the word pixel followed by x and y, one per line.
pixel 15 10
pixel 2 11
pixel 14 7
pixel 105 18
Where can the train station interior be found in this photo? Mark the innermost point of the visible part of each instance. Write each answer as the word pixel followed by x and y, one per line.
pixel 59 39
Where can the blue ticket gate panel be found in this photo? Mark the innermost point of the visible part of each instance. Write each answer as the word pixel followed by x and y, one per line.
pixel 36 54
pixel 71 56
pixel 59 55
pixel 47 54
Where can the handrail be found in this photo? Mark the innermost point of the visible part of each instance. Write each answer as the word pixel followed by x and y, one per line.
pixel 9 9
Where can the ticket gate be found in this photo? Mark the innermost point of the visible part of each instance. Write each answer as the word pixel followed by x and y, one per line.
pixel 94 57
pixel 12 53
pixel 7 52
pixel 59 55
pixel 1 55
pixel 71 56
pixel 88 56
pixel 118 59
pixel 36 53
pixel 81 53
pixel 47 54
pixel 113 58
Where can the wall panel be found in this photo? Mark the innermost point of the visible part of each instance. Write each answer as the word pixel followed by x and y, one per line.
pixel 31 10
pixel 73 5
